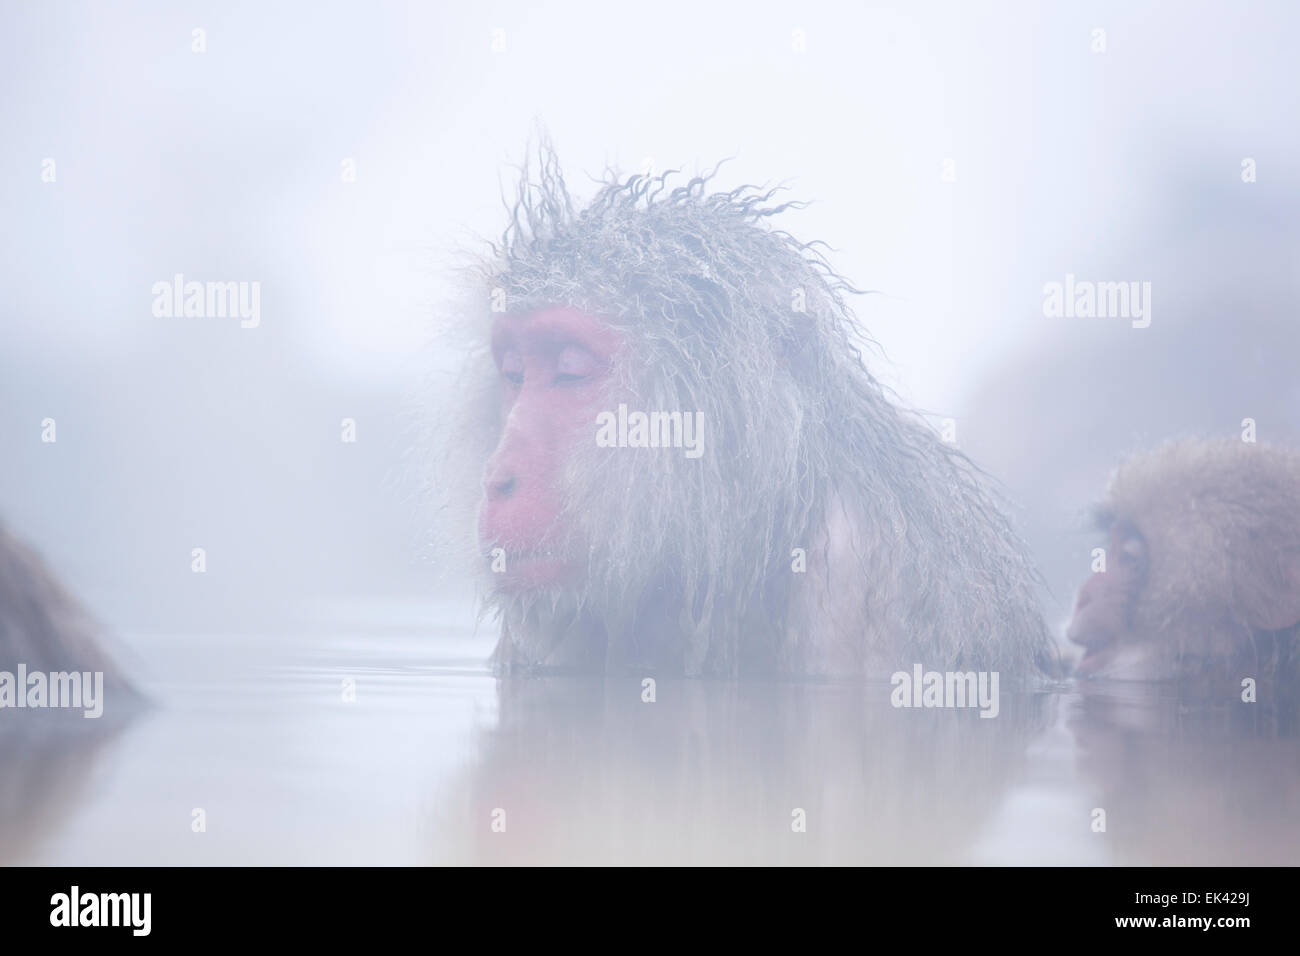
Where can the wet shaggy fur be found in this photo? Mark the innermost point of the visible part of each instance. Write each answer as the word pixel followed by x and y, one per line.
pixel 690 564
pixel 1221 521
pixel 41 625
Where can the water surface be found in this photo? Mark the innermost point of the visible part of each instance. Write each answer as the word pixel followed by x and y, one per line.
pixel 434 756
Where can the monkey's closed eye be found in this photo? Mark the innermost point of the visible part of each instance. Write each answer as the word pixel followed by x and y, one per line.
pixel 512 367
pixel 574 364
pixel 1132 548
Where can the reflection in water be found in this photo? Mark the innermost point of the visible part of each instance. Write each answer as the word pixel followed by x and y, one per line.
pixel 257 733
pixel 713 772
pixel 47 760
pixel 1191 782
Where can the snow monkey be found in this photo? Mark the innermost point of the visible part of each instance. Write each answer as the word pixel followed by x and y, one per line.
pixel 694 469
pixel 1202 568
pixel 42 627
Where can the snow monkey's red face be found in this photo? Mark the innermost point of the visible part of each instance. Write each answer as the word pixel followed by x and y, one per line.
pixel 553 366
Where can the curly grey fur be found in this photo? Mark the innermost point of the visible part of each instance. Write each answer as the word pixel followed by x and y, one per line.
pixel 690 562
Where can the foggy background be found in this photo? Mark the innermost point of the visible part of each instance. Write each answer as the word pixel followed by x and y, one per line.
pixel 226 165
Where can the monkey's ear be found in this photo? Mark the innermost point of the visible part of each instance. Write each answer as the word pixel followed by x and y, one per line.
pixel 1274 603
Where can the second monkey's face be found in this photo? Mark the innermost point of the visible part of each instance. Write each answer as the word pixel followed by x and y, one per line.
pixel 553 366
pixel 1104 615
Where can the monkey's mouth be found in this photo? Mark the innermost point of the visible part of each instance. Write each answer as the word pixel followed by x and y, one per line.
pixel 516 570
pixel 1097 658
